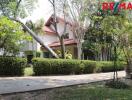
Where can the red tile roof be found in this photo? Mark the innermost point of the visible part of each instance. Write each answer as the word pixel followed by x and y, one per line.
pixel 66 42
pixel 50 21
pixel 48 30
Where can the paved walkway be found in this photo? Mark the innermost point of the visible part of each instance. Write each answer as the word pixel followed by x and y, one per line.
pixel 22 84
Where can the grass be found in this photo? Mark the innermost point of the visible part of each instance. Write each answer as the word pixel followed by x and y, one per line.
pixel 92 92
pixel 28 71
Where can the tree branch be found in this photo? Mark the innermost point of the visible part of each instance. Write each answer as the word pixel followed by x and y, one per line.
pixel 17 6
pixel 52 2
pixel 3 43
pixel 2 9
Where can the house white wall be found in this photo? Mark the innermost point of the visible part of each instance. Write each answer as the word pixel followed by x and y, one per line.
pixel 27 45
pixel 60 29
pixel 49 38
pixel 71 34
pixel 46 38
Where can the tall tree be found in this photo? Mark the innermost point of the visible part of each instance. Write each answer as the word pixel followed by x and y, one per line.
pixel 17 9
pixel 78 12
pixel 57 5
pixel 37 26
pixel 112 25
pixel 11 36
pixel 118 24
pixel 126 45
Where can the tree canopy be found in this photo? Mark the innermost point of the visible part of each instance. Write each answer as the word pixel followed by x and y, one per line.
pixel 11 36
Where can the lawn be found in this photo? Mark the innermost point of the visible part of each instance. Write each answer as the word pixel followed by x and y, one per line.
pixel 92 92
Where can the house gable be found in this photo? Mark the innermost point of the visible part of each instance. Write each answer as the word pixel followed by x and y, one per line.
pixel 50 36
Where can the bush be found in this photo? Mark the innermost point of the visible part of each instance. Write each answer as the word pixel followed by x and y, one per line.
pixel 38 54
pixel 56 66
pixel 71 67
pixel 105 66
pixel 11 66
pixel 121 65
pixel 41 67
pixel 67 67
pixel 89 67
pixel 28 71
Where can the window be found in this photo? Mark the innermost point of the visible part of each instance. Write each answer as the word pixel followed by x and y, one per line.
pixel 66 36
pixel 46 54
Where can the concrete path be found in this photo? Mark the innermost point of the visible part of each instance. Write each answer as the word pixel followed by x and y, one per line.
pixel 22 84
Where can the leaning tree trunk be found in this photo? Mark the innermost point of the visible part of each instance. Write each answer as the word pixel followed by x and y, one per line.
pixel 36 38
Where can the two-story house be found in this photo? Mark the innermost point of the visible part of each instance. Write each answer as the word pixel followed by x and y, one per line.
pixel 50 37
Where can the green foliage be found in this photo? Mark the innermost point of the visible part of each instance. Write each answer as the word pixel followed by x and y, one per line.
pixel 91 92
pixel 41 67
pixel 28 71
pixel 113 25
pixel 11 66
pixel 106 32
pixel 105 66
pixel 68 54
pixel 52 66
pixel 66 67
pixel 17 8
pixel 11 36
pixel 71 67
pixel 38 54
pixel 34 53
pixel 56 67
pixel 37 26
pixel 117 85
pixel 89 66
pixel 30 52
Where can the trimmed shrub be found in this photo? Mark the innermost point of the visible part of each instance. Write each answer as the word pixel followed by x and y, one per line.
pixel 89 66
pixel 56 66
pixel 12 66
pixel 38 54
pixel 41 67
pixel 105 66
pixel 71 67
pixel 121 65
pixel 67 67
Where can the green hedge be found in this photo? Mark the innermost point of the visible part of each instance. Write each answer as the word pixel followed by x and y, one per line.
pixel 105 66
pixel 53 66
pixel 66 67
pixel 89 67
pixel 11 66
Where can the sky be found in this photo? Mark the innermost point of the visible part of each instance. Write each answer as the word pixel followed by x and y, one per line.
pixel 44 10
